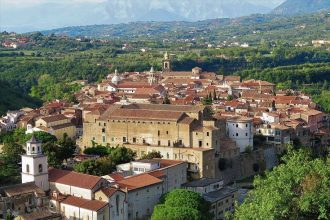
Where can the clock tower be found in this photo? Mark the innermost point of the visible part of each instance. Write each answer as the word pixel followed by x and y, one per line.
pixel 34 165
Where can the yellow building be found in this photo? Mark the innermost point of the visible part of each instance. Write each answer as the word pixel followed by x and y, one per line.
pixel 56 125
pixel 179 132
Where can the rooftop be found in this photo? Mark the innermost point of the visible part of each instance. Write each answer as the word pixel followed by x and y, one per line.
pixel 202 182
pixel 219 194
pixel 73 179
pixel 138 181
pixel 93 205
pixel 20 189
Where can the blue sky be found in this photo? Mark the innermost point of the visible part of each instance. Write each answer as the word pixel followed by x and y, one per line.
pixel 30 15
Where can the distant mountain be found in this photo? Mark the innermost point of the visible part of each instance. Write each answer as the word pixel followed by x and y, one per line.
pixel 292 7
pixel 250 29
pixel 49 14
pixel 123 11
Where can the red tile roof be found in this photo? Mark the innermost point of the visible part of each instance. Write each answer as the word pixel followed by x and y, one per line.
pixel 73 179
pixel 138 181
pixel 93 205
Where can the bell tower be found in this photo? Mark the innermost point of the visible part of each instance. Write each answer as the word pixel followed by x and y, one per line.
pixel 152 78
pixel 167 66
pixel 34 165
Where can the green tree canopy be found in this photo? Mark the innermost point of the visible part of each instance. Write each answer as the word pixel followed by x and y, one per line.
pixel 182 204
pixel 297 189
pixel 12 152
pixel 152 155
pixel 122 155
pixel 100 166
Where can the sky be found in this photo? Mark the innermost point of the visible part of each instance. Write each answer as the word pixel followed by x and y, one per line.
pixel 32 15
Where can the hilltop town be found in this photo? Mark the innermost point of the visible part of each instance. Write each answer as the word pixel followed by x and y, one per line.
pixel 185 129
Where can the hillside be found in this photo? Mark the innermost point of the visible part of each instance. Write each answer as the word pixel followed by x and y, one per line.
pixel 10 99
pixel 292 7
pixel 251 29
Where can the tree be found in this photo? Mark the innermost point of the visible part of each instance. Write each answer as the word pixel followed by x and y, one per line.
pixel 98 150
pixel 166 100
pixel 53 154
pixel 42 136
pixel 230 97
pixel 12 152
pixel 214 95
pixel 152 155
pixel 100 166
pixel 182 204
pixel 67 147
pixel 297 189
pixel 122 155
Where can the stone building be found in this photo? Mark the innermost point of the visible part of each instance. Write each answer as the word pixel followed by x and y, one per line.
pixel 185 133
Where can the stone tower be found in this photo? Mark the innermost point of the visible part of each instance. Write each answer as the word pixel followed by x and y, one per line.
pixel 34 165
pixel 167 66
pixel 151 76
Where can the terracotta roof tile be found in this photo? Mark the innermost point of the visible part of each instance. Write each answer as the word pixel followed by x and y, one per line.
pixel 93 205
pixel 53 118
pixel 138 181
pixel 73 179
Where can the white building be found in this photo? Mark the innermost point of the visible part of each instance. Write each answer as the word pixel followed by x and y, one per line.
pixel 239 129
pixel 137 167
pixel 34 165
pixel 270 117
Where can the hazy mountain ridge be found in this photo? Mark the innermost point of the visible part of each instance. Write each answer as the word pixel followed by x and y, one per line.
pixel 292 7
pixel 265 27
pixel 192 10
pixel 57 14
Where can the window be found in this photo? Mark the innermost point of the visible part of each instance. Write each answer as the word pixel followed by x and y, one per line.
pixel 27 168
pixel 246 134
pixel 124 139
pixel 40 168
pixel 158 143
pixel 246 125
pixel 207 133
pixel 169 143
pixel 236 134
pixel 33 149
pixel 143 140
pixel 104 124
pixel 200 143
pixel 236 125
pixel 134 140
pixel 158 132
pixel 103 130
pixel 166 132
pixel 117 204
pixel 103 139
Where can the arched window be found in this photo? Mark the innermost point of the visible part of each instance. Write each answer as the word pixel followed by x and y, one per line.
pixel 32 149
pixel 27 168
pixel 40 168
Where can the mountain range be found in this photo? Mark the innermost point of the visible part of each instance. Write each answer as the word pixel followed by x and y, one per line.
pixel 293 7
pixel 48 14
